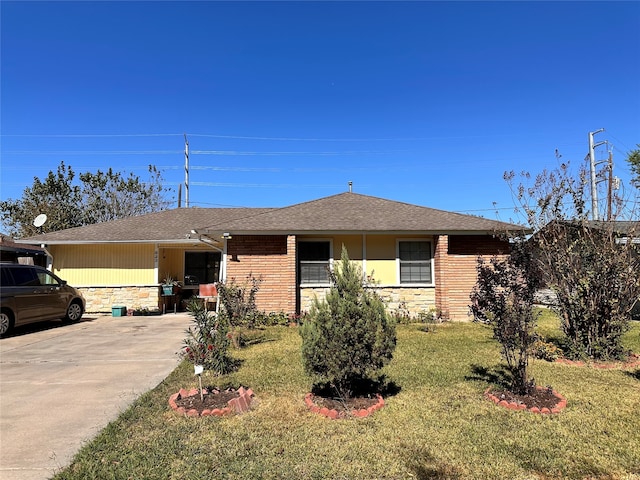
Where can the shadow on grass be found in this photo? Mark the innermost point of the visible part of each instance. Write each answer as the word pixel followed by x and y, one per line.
pixel 425 466
pixel 498 376
pixel 362 388
pixel 244 337
pixel 533 460
pixel 633 374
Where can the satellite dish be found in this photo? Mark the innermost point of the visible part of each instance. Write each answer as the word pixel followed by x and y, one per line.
pixel 39 220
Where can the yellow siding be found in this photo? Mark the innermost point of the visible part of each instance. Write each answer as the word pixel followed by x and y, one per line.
pixel 171 262
pixel 105 264
pixel 353 244
pixel 381 259
pixel 383 272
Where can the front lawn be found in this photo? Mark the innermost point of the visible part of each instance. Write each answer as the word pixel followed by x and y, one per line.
pixel 436 425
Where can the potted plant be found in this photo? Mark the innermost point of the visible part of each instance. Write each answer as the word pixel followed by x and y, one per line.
pixel 170 285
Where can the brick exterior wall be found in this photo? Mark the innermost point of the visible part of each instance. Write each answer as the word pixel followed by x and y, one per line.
pixel 455 268
pixel 271 258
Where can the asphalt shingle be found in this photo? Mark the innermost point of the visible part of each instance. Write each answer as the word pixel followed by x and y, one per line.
pixel 344 212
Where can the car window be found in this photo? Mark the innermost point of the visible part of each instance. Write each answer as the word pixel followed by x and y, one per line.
pixel 47 279
pixel 25 277
pixel 5 278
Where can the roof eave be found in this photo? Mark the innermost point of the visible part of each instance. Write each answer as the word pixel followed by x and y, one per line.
pixel 100 242
pixel 231 232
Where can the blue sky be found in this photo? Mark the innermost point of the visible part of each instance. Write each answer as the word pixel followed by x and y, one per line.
pixel 283 102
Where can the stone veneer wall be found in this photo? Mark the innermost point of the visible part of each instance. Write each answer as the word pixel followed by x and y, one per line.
pixel 416 300
pixel 102 299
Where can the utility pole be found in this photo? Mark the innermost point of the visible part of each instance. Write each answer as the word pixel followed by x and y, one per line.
pixel 610 186
pixel 186 171
pixel 592 169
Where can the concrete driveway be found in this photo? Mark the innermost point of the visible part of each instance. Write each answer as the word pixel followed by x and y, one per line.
pixel 99 366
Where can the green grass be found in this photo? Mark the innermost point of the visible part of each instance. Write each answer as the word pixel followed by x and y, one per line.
pixel 438 425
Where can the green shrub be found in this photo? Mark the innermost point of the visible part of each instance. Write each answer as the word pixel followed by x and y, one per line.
pixel 207 340
pixel 347 337
pixel 263 319
pixel 401 314
pixel 238 302
pixel 545 350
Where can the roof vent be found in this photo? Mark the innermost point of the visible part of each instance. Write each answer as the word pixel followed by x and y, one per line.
pixel 350 187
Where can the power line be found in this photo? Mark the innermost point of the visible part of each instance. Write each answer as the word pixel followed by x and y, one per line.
pixel 88 135
pixel 379 139
pixel 92 152
pixel 283 153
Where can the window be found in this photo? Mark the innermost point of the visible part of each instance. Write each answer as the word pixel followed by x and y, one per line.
pixel 314 259
pixel 414 259
pixel 201 267
pixel 25 277
pixel 47 279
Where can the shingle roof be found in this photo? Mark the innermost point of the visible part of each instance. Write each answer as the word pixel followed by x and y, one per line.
pixel 164 226
pixel 351 212
pixel 341 213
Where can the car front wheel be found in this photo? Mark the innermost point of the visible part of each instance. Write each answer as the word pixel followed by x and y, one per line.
pixel 6 322
pixel 74 312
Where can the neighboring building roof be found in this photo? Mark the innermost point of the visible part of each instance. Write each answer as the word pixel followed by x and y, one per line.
pixel 342 213
pixel 352 212
pixel 10 250
pixel 621 227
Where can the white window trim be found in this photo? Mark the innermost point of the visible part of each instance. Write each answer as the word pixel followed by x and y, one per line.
pixel 319 239
pixel 433 276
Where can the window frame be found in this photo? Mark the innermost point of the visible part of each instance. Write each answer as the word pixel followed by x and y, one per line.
pixel 301 283
pixel 205 252
pixel 430 262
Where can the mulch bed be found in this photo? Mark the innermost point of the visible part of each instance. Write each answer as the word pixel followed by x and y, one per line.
pixel 541 400
pixel 345 406
pixel 213 401
pixel 335 408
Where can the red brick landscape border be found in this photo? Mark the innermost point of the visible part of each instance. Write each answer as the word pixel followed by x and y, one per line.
pixel 240 404
pixel 634 361
pixel 562 403
pixel 334 414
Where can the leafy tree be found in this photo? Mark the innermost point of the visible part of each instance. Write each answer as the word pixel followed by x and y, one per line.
pixel 56 196
pixel 633 159
pixel 110 195
pixel 503 297
pixel 592 266
pixel 347 337
pixel 95 198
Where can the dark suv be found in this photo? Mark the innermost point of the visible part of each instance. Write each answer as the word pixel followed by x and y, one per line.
pixel 33 294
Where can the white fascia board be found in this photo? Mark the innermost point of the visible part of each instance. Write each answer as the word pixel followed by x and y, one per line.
pixel 104 242
pixel 351 232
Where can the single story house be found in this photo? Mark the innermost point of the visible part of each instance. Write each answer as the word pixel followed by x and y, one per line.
pixel 421 259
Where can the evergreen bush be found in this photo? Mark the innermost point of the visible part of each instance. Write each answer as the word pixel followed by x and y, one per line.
pixel 347 337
